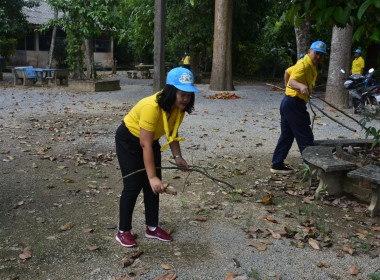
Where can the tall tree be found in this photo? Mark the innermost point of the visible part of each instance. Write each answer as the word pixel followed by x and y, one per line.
pixel 221 75
pixel 302 31
pixel 52 43
pixel 159 45
pixel 339 59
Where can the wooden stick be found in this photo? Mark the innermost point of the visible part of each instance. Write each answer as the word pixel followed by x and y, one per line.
pixel 191 168
pixel 335 120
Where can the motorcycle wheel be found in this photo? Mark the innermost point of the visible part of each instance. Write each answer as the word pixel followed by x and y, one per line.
pixel 371 105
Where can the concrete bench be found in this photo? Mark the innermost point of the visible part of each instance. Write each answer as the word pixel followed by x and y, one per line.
pixel 21 76
pixel 151 73
pixel 370 173
pixel 62 75
pixel 331 170
pixel 132 74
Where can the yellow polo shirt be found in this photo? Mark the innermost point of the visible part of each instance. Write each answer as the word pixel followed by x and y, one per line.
pixel 357 65
pixel 147 114
pixel 303 72
pixel 186 59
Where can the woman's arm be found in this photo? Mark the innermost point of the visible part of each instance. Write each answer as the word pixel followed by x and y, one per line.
pixel 176 151
pixel 146 142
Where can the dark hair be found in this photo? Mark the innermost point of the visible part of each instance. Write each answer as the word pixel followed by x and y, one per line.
pixel 167 98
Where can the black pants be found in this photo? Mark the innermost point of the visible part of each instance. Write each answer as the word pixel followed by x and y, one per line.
pixel 130 156
pixel 295 123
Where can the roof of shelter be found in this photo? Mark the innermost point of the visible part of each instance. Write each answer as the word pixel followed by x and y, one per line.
pixel 39 15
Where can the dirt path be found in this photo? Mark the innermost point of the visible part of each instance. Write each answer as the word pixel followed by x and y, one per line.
pixel 58 169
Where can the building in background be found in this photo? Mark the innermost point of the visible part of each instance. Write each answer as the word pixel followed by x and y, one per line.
pixel 33 49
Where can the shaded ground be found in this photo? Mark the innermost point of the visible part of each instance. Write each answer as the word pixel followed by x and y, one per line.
pixel 58 168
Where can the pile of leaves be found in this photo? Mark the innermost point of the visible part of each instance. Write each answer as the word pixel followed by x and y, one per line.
pixel 223 95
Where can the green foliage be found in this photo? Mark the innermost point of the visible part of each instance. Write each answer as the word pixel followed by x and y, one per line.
pixel 371 130
pixel 60 53
pixel 307 174
pixel 366 15
pixel 8 47
pixel 12 20
pixel 374 276
pixel 254 273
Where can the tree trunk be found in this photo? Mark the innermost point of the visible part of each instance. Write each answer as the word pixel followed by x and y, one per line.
pixel 302 36
pixel 159 46
pixel 340 55
pixel 52 43
pixel 89 58
pixel 221 74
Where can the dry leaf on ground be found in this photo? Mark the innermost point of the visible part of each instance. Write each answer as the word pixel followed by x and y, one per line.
pixel 230 276
pixel 166 267
pixel 272 220
pixel 26 254
pixel 166 277
pixel 127 262
pixel 354 271
pixel 314 243
pixel 92 248
pixel 67 226
pixel 348 250
pixel 260 247
pixel 274 234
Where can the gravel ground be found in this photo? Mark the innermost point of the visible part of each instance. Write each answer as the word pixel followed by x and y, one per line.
pixel 244 129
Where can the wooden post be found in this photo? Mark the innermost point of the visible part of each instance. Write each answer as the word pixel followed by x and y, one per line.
pixel 159 46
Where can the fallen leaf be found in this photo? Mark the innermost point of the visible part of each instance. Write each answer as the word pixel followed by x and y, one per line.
pixel 258 246
pixel 137 254
pixel 354 271
pixel 348 218
pixel 92 248
pixel 230 276
pixel 18 204
pixel 26 254
pixel 166 277
pixel 265 241
pixel 374 228
pixel 274 234
pixel 127 262
pixel 88 230
pixel 166 267
pixel 138 271
pixel 201 219
pixel 314 243
pixel 67 226
pixel 321 264
pixel 270 219
pixel 348 250
pixel 267 199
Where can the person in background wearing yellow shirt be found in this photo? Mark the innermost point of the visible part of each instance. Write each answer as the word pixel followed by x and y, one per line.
pixel 138 147
pixel 358 63
pixel 186 61
pixel 295 119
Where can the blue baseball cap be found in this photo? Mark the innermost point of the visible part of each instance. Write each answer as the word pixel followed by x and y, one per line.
pixel 358 51
pixel 182 79
pixel 319 46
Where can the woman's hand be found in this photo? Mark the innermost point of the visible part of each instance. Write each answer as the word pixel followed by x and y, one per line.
pixel 182 164
pixel 156 185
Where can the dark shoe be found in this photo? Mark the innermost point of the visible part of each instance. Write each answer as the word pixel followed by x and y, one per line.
pixel 159 234
pixel 126 239
pixel 281 169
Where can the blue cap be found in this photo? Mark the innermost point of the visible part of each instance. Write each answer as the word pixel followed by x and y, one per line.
pixel 185 53
pixel 358 51
pixel 182 79
pixel 302 55
pixel 319 46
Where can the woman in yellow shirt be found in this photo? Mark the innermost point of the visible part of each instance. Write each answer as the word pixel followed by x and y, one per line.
pixel 137 147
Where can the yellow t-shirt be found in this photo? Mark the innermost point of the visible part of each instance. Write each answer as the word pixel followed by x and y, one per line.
pixel 147 114
pixel 303 72
pixel 186 59
pixel 357 65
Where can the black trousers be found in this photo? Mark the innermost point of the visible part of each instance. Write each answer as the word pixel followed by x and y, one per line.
pixel 130 156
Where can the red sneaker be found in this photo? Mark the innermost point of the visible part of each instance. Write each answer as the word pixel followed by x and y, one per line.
pixel 159 234
pixel 126 239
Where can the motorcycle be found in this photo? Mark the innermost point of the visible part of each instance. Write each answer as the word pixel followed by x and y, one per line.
pixel 364 92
